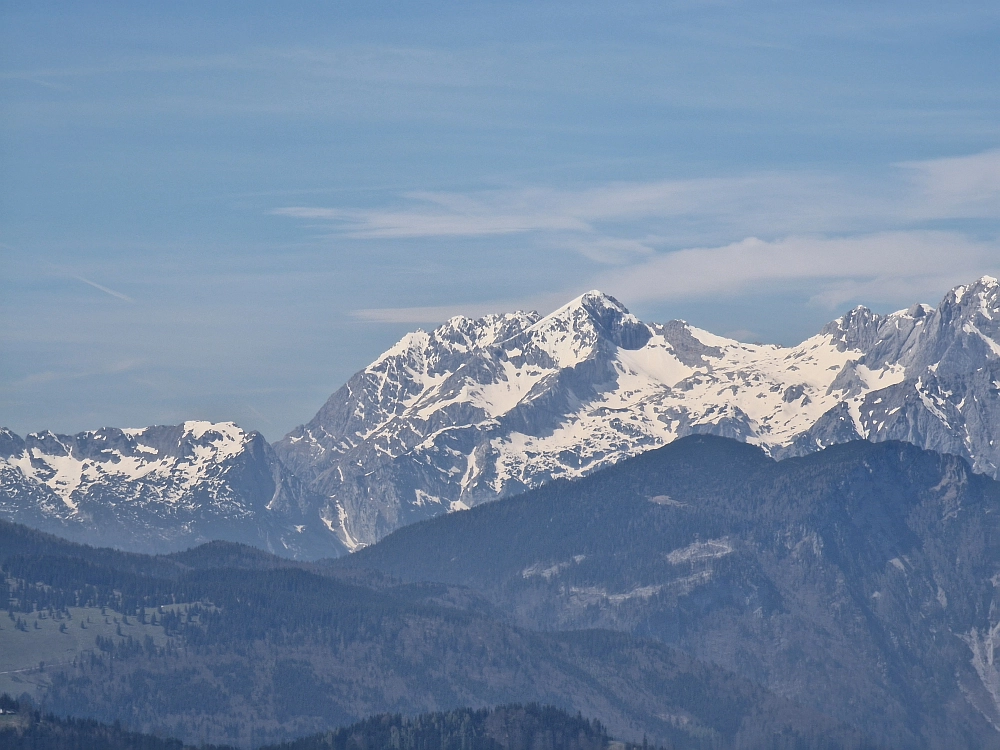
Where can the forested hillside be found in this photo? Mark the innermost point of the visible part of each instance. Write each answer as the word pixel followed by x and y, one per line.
pixel 22 727
pixel 858 580
pixel 249 658
pixel 513 727
pixel 509 727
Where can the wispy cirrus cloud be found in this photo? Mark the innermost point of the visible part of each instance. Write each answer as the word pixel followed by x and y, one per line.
pixel 443 218
pixel 833 237
pixel 676 211
pixel 544 210
pixel 884 266
pixel 957 187
pixel 891 268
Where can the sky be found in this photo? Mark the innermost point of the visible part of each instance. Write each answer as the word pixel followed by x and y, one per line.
pixel 223 210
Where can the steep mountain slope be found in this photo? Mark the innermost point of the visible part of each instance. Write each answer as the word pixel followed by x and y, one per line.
pixel 479 409
pixel 860 579
pixel 161 489
pixel 219 655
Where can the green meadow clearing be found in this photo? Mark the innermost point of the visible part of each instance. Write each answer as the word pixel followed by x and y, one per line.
pixel 53 639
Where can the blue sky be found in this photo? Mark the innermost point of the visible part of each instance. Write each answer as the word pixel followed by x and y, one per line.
pixel 223 210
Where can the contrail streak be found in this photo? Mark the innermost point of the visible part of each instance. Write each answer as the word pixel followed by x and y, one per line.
pixel 104 289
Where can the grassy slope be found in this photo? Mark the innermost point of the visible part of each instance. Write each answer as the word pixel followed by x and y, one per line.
pixel 21 652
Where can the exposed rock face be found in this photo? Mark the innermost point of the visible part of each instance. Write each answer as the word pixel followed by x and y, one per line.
pixel 947 398
pixel 161 489
pixel 479 409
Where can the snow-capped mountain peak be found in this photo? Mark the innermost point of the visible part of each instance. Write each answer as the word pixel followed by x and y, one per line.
pixel 480 408
pixel 977 305
pixel 158 488
pixel 589 383
pixel 178 456
pixel 856 329
pixel 570 334
pixel 983 290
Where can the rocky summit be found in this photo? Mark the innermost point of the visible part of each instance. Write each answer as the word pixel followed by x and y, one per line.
pixel 478 409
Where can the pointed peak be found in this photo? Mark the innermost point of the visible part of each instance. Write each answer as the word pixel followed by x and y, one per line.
pixel 594 303
pixel 854 318
pixel 11 444
pixel 859 312
pixel 856 329
pixel 596 300
pixel 981 294
pixel 608 317
pixel 984 286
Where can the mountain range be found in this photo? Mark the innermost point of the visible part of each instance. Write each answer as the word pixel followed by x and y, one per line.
pixel 487 408
pixel 160 489
pixel 713 543
pixel 480 409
